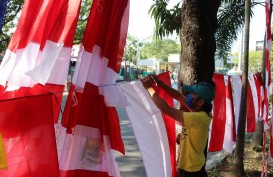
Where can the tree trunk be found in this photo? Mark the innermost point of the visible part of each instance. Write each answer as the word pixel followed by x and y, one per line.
pixel 199 24
pixel 238 165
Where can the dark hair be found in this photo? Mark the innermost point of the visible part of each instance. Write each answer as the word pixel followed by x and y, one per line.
pixel 207 107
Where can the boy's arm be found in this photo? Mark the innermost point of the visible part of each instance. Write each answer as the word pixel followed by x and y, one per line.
pixel 169 90
pixel 160 103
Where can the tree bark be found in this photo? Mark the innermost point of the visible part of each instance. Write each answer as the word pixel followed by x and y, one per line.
pixel 238 164
pixel 199 24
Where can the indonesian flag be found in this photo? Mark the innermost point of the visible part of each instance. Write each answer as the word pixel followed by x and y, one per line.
pixel 168 121
pixel 250 114
pixel 33 74
pixel 260 92
pixel 222 133
pixel 92 126
pixel 38 55
pixel 219 115
pixel 150 130
pixel 230 133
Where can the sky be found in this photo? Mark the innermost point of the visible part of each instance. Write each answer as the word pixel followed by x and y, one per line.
pixel 142 26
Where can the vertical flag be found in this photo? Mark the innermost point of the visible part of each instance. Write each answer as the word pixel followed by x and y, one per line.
pixel 3 5
pixel 92 125
pixel 168 121
pixel 230 134
pixel 35 64
pixel 38 55
pixel 148 126
pixel 219 115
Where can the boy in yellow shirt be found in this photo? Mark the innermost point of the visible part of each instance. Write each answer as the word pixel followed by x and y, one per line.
pixel 195 124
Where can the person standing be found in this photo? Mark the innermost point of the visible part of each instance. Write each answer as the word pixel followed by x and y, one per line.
pixel 195 124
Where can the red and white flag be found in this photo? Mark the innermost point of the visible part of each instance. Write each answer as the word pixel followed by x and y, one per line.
pixel 38 55
pixel 92 126
pixel 217 131
pixel 33 74
pixel 149 129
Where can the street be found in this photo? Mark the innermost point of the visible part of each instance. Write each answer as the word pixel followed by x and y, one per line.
pixel 130 165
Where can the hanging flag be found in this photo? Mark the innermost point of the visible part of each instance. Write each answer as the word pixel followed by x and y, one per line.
pixel 260 92
pixel 3 158
pixel 93 126
pixel 168 121
pixel 3 5
pixel 149 129
pixel 36 63
pixel 219 115
pixel 230 133
pixel 38 55
pixel 250 109
pixel 255 96
pixel 27 130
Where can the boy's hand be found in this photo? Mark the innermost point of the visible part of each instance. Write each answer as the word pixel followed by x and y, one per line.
pixel 147 82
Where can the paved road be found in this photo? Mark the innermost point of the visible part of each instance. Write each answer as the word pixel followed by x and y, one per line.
pixel 130 165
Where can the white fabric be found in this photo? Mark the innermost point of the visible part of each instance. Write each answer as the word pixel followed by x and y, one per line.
pixel 113 96
pixel 228 137
pixel 237 88
pixel 148 126
pixel 73 152
pixel 29 66
pixel 254 96
pixel 92 68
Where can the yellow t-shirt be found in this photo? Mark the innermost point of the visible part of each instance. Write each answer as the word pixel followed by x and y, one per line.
pixel 193 140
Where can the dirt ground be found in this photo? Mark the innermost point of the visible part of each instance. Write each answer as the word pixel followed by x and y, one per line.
pixel 252 164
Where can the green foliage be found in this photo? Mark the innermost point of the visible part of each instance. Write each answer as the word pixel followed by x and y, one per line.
pixel 82 20
pixel 254 62
pixel 230 21
pixel 160 49
pixel 167 21
pixel 231 15
pixel 10 22
pixel 131 47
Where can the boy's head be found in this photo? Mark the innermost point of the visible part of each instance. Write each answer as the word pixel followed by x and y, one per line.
pixel 203 89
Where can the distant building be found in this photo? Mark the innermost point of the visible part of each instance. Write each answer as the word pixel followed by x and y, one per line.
pixel 151 64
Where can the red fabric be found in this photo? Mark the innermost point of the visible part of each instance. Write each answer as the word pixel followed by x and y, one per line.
pixel 83 173
pixel 55 90
pixel 230 97
pixel 259 83
pixel 219 114
pixel 169 122
pixel 42 20
pixel 107 27
pixel 94 113
pixel 27 128
pixel 105 30
pixel 250 115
